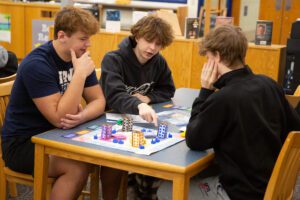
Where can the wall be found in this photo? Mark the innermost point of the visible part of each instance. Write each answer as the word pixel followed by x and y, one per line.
pixel 248 19
pixel 192 8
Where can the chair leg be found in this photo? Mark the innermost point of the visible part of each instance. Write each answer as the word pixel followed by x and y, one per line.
pixel 12 187
pixel 123 187
pixel 48 191
pixel 3 193
pixel 94 184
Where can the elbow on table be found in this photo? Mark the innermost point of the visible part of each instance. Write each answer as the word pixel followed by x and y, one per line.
pixel 195 145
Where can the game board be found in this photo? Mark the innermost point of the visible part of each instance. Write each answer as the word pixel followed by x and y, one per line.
pixel 123 140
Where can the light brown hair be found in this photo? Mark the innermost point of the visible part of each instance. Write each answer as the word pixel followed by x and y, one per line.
pixel 152 27
pixel 229 41
pixel 72 19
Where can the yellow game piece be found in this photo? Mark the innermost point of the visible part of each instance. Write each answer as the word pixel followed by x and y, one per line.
pixel 168 105
pixel 82 132
pixel 182 134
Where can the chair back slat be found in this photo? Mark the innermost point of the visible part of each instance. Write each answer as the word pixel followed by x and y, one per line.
pixel 285 173
pixel 297 91
pixel 8 78
pixel 5 90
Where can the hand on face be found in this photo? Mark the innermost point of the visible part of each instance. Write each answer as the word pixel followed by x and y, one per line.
pixel 143 98
pixel 209 74
pixel 70 121
pixel 84 64
pixel 147 113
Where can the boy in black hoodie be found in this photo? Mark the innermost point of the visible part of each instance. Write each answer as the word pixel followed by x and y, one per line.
pixel 8 63
pixel 245 121
pixel 134 76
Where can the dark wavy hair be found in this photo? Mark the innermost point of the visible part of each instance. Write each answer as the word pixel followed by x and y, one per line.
pixel 152 27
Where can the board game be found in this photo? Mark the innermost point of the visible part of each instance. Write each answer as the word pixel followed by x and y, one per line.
pixel 140 140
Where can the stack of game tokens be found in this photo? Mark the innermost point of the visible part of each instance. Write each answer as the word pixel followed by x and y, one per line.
pixel 127 124
pixel 106 131
pixel 137 138
pixel 162 131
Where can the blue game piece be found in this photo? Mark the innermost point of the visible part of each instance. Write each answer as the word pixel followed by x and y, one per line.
pixel 95 137
pixel 157 140
pixel 115 140
pixel 114 131
pixel 149 130
pixel 153 141
pixel 93 127
pixel 143 130
pixel 170 135
pixel 141 147
pixel 121 142
pixel 70 135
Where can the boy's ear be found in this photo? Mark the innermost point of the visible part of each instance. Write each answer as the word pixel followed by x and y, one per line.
pixel 61 36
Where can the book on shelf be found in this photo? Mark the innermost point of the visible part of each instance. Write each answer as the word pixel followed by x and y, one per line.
pixel 113 21
pixel 222 20
pixel 191 28
pixel 263 32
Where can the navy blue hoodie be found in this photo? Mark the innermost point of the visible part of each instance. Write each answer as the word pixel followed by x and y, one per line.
pixel 122 75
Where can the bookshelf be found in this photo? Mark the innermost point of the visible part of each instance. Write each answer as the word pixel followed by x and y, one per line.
pixel 126 9
pixel 184 60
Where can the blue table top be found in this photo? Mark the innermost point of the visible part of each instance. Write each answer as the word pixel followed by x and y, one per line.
pixel 179 154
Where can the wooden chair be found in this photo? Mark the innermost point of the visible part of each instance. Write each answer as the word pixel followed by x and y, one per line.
pixel 9 176
pixel 295 98
pixel 98 73
pixel 297 91
pixel 8 78
pixel 282 182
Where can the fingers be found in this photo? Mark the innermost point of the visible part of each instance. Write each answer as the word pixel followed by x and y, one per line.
pixel 147 113
pixel 150 117
pixel 71 117
pixel 86 54
pixel 209 74
pixel 70 121
pixel 154 119
pixel 67 123
pixel 214 74
pixel 73 55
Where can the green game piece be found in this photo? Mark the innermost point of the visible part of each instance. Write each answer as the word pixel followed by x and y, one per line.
pixel 119 121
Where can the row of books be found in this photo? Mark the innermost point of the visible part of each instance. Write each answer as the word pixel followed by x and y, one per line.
pixel 194 28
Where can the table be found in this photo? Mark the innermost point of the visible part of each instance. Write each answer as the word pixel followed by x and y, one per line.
pixel 176 163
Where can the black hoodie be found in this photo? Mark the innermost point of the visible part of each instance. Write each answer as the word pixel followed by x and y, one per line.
pixel 122 75
pixel 246 122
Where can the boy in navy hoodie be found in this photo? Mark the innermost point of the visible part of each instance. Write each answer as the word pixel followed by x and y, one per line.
pixel 136 75
pixel 47 93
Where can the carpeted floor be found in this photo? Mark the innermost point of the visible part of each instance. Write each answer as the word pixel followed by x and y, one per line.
pixel 26 193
